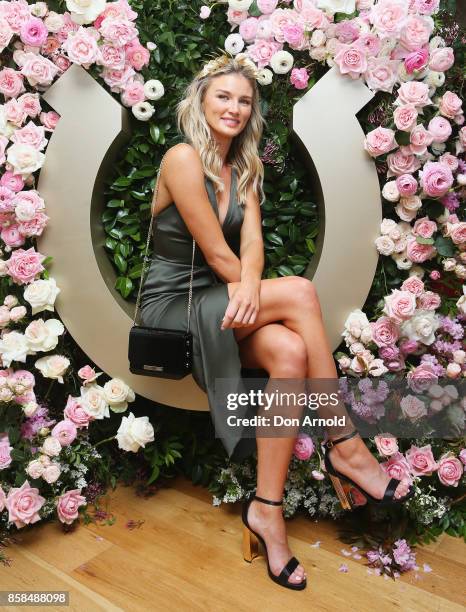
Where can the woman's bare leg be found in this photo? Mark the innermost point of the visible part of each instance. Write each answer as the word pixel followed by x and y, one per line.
pixel 293 301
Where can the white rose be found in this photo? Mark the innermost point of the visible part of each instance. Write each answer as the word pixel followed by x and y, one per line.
pixel 385 245
pixel 281 62
pixel 318 38
pixel 17 313
pixel 234 44
pixel 435 391
pixel 390 191
pixel 377 367
pixel 134 432
pixel 436 42
pixel 45 460
pixel 35 468
pixel 51 473
pixel 404 213
pixel 264 76
pixel 240 5
pixel 153 89
pixel 10 301
pixel 93 401
pixel 25 210
pixel 366 335
pixel 357 348
pixel 460 271
pixel 387 226
pixel 421 327
pixel 54 21
pixel 51 446
pixel 453 370
pixel 143 111
pixel 337 6
pixel 41 294
pixel 13 347
pixel 118 394
pixel 43 335
pixel 30 408
pixel 53 366
pixel 6 395
pixel 39 9
pixel 24 158
pixel 85 11
pixel 4 316
pixel 459 356
pixel 356 321
pixel 319 53
pixel 449 264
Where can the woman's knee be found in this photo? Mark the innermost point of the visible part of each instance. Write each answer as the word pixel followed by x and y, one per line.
pixel 302 292
pixel 290 355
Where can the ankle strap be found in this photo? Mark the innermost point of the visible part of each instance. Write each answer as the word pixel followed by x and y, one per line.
pixel 330 443
pixel 268 501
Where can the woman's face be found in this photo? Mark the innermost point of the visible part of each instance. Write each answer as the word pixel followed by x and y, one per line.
pixel 227 104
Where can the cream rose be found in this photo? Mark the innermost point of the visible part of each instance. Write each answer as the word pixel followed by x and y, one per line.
pixel 41 294
pixel 43 335
pixel 118 394
pixel 53 366
pixel 51 446
pixel 25 159
pixel 93 401
pixel 134 433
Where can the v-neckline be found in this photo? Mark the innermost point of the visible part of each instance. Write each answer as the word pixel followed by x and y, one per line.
pixel 229 201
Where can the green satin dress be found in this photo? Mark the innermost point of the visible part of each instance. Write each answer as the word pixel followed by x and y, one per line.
pixel 164 303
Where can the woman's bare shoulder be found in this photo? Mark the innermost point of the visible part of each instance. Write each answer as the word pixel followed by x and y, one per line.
pixel 182 153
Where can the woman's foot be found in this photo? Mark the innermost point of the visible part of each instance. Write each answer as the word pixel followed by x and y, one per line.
pixel 269 523
pixel 352 458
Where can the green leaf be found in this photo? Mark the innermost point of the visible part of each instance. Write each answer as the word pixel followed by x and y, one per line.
pixel 122 181
pixel 274 238
pixel 154 475
pixel 115 203
pixel 154 132
pixel 121 263
pixel 421 240
pixel 310 245
pixel 285 271
pixel 444 246
pixel 402 138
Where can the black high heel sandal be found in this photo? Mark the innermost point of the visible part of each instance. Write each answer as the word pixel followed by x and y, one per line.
pixel 251 548
pixel 346 500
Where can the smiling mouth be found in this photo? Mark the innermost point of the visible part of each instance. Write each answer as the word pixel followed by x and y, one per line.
pixel 230 121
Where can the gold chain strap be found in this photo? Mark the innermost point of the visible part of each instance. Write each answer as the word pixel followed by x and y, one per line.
pixel 154 201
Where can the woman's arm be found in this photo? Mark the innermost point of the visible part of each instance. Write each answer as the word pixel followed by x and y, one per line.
pixel 184 179
pixel 252 244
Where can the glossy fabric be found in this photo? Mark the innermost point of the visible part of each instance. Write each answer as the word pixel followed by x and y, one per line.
pixel 164 303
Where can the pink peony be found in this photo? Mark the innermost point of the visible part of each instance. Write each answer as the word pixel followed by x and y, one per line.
pixel 429 300
pixel 424 227
pixel 436 179
pixel 12 236
pixel 405 117
pixel 11 83
pixel 118 31
pixel 413 284
pixel 30 103
pixel 248 29
pixel 380 141
pixel 304 447
pixel 65 431
pixel 407 185
pixel 137 55
pixel 23 266
pixel 351 61
pixel 68 505
pixel 421 460
pixel 440 129
pixel 111 56
pixel 387 444
pixel 419 253
pixel 299 78
pixel 23 504
pixel 441 59
pixel 49 120
pixel 12 181
pixel 450 105
pixel 33 32
pixel 385 331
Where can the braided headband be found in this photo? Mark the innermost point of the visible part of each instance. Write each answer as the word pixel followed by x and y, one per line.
pixel 215 65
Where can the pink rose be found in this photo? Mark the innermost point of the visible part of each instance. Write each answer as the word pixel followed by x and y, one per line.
pixel 397 467
pixel 429 301
pixel 407 185
pixel 76 413
pixel 412 408
pixel 436 179
pixel 420 139
pixel 416 60
pixel 450 160
pixel 351 61
pixel 462 456
pixel 51 45
pixel 65 431
pixel 30 103
pixel 68 505
pixel 421 460
pixel 34 226
pixel 385 331
pixel 387 444
pixel 408 346
pixel 457 232
pixel 402 161
pixel 5 451
pixel 23 504
pixel 405 117
pixel 117 79
pixel 16 13
pixel 293 34
pixel 434 275
pixel 389 17
pixel 450 105
pixel 262 50
pixel 12 236
pixel 12 181
pixel 49 120
pixel 38 70
pixel 81 48
pixel 116 10
pixel 118 31
pixel 381 73
pixel 422 377
pixel 14 112
pixel 299 78
pixel 449 470
pixel 413 284
pixel 204 13
pixel 413 92
pixel 23 266
pixel 419 253
pixel 267 6
pixel 111 56
pixel 424 227
pixel 304 447
pixel 236 17
pixel 248 29
pixel 87 374
pixel 441 59
pixel 400 305
pixel 370 44
pixel 137 55
pixel 11 83
pixel 440 129
pixel 133 93
pixel 33 32
pixel 313 18
pixel 380 141
pixel 30 134
pixel 347 31
pixel 426 7
pixel 416 32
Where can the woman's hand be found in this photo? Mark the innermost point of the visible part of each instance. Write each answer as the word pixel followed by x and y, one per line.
pixel 243 306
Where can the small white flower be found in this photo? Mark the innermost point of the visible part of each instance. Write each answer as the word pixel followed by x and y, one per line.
pixel 85 11
pixel 143 111
pixel 234 44
pixel 134 433
pixel 240 5
pixel 151 46
pixel 281 62
pixel 264 76
pixel 153 89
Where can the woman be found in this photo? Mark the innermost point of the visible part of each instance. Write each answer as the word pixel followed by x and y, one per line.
pixel 209 190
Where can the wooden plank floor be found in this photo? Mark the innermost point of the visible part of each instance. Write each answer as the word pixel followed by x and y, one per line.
pixel 186 556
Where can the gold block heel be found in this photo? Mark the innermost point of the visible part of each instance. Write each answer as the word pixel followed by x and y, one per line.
pixel 345 501
pixel 250 545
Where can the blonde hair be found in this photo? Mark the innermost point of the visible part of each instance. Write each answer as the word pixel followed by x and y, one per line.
pixel 243 153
